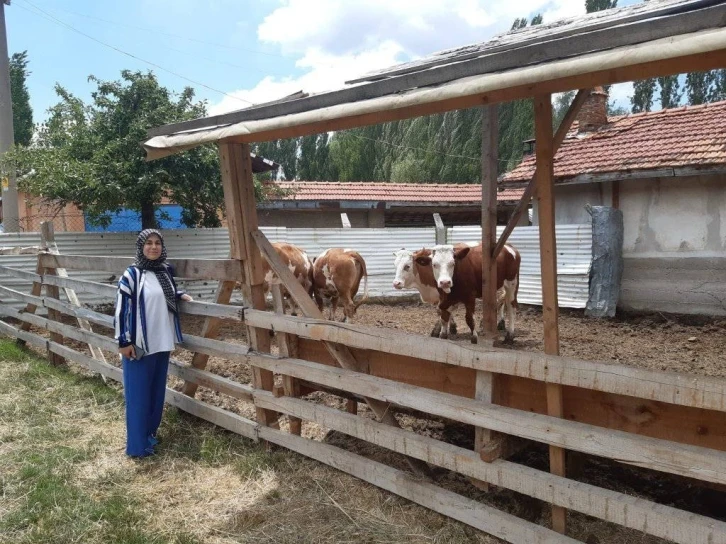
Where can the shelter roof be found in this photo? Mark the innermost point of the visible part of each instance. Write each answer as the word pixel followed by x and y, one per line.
pixel 389 192
pixel 644 40
pixel 690 137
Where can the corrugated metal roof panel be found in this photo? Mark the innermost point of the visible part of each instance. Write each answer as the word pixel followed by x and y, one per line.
pixel 574 254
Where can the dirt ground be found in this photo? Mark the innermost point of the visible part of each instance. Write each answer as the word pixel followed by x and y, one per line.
pixel 654 341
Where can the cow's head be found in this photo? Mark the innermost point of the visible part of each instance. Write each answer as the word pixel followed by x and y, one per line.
pixel 442 260
pixel 403 261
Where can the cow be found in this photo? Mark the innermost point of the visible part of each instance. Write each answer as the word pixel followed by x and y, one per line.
pixel 299 264
pixel 457 272
pixel 421 278
pixel 337 274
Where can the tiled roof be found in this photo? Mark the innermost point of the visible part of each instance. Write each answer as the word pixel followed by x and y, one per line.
pixel 691 136
pixel 389 192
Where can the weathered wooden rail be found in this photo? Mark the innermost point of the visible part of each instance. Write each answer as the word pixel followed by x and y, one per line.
pixel 667 422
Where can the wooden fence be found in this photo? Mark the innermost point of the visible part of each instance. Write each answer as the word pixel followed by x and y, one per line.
pixel 667 422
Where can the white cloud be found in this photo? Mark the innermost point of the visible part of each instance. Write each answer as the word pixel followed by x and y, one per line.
pixel 325 72
pixel 341 39
pixel 620 94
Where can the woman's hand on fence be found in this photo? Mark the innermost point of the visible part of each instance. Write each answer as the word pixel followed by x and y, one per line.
pixel 187 298
pixel 128 351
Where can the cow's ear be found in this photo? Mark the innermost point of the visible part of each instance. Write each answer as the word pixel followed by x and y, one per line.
pixel 423 261
pixel 461 252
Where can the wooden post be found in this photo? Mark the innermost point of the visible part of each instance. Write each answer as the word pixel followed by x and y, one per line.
pixel 47 236
pixel 239 201
pixel 288 348
pixel 548 258
pixel 51 247
pixel 210 329
pixel 440 230
pixel 486 442
pixel 345 220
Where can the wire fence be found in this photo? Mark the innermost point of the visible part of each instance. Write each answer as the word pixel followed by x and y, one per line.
pixel 124 221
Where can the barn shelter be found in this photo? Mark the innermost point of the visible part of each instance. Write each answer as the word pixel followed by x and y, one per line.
pixel 312 204
pixel 669 423
pixel 666 172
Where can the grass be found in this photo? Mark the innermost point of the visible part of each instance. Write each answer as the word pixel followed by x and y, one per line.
pixel 64 477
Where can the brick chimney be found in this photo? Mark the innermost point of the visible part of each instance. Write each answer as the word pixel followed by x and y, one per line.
pixel 594 112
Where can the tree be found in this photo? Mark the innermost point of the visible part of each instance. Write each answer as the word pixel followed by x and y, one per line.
pixel 670 94
pixel 22 112
pixel 592 6
pixel 561 105
pixel 89 154
pixel 698 87
pixel 643 93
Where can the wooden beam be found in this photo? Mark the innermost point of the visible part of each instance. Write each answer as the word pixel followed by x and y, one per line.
pixel 544 148
pixel 560 136
pixel 674 388
pixel 287 344
pixel 46 239
pixel 239 201
pixel 507 93
pixel 487 443
pixel 199 269
pixel 666 27
pixel 339 352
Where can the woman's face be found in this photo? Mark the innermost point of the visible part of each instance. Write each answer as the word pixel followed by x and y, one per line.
pixel 152 247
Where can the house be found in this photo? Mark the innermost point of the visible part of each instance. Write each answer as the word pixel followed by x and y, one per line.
pixel 378 204
pixel 666 171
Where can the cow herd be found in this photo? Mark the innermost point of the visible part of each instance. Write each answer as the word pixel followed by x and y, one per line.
pixel 445 275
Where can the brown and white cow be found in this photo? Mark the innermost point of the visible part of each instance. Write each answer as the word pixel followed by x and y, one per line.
pixel 299 264
pixel 337 274
pixel 457 274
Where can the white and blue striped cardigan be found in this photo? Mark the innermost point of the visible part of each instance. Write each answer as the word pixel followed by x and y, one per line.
pixel 130 317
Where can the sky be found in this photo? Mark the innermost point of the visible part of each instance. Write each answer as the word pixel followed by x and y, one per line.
pixel 237 52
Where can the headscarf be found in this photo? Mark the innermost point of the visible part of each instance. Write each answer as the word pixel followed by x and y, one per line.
pixel 156 266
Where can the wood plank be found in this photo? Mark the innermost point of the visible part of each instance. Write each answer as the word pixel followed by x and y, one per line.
pixel 200 269
pixel 572 111
pixel 35 290
pixel 211 381
pixel 681 459
pixel 210 329
pixel 340 353
pixel 544 149
pixel 239 199
pixel 211 309
pixel 545 79
pixel 639 514
pixel 676 388
pixel 54 315
pixel 557 49
pixel 696 426
pixel 84 286
pixel 480 516
pixel 30 250
pixel 68 331
pixel 287 344
pixel 22 274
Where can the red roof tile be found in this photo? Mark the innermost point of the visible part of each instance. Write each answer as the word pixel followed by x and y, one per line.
pixel 389 192
pixel 691 136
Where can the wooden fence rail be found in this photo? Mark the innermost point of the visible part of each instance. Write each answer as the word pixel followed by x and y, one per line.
pixel 640 514
pixel 708 395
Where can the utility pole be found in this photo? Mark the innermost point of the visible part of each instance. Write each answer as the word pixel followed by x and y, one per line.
pixel 11 218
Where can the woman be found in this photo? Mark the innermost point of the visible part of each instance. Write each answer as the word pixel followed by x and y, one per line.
pixel 147 328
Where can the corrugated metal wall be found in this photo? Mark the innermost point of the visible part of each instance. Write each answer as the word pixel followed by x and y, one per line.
pixel 574 252
pixel 375 245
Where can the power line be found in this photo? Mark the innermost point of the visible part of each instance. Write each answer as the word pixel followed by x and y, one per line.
pixel 50 17
pixel 159 32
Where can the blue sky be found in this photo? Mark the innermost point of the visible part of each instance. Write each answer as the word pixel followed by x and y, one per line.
pixel 239 51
